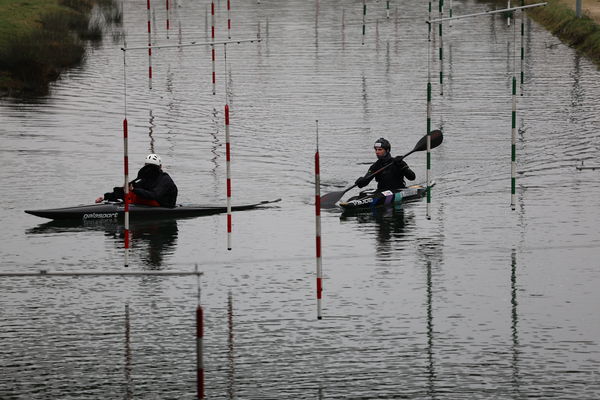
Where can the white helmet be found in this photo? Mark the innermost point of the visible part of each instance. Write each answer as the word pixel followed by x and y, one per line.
pixel 153 159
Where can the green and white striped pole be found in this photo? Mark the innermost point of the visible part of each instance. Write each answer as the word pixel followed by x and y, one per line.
pixel 428 175
pixel 522 47
pixel 450 13
pixel 513 151
pixel 428 214
pixel 364 21
pixel 387 9
pixel 429 29
pixel 513 157
pixel 441 50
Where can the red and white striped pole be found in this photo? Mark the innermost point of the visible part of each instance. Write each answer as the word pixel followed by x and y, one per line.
pixel 212 35
pixel 126 190
pixel 149 46
pixel 318 226
pixel 228 158
pixel 199 345
pixel 228 20
pixel 125 161
pixel 168 25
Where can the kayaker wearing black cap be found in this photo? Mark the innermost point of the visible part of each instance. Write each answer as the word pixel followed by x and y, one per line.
pixel 152 187
pixel 391 177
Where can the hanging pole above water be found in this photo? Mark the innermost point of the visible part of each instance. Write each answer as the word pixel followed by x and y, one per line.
pixel 439 20
pixel 47 273
pixel 192 44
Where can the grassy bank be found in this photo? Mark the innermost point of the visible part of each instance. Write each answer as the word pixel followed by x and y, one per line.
pixel 582 34
pixel 558 17
pixel 39 38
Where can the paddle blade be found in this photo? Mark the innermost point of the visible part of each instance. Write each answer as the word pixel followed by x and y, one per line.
pixel 328 200
pixel 436 139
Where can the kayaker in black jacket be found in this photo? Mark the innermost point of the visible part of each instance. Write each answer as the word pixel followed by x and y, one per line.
pixel 393 176
pixel 152 186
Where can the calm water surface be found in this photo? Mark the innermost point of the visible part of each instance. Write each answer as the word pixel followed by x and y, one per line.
pixel 477 302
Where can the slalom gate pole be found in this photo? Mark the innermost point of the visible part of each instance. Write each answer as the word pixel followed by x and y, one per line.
pixel 212 35
pixel 227 152
pixel 318 227
pixel 149 46
pixel 513 150
pixel 522 48
pixel 125 162
pixel 428 173
pixel 228 158
pixel 387 9
pixel 429 27
pixel 168 24
pixel 364 17
pixel 228 19
pixel 441 49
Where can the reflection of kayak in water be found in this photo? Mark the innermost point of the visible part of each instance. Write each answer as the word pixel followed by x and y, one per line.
pixel 117 211
pixel 153 240
pixel 370 199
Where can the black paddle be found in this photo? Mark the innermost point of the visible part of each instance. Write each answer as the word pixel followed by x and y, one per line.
pixel 328 200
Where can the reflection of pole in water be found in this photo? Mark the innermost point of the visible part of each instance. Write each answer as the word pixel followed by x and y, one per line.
pixel 151 130
pixel 128 382
pixel 514 317
pixel 215 142
pixel 230 354
pixel 318 226
pixel 199 344
pixel 430 364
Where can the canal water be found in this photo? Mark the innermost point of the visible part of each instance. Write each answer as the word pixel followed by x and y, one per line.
pixel 478 302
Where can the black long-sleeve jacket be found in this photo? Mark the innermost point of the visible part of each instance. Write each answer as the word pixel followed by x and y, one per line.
pixel 393 176
pixel 158 186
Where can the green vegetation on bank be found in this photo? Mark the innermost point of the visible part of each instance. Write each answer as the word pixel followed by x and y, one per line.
pixel 582 33
pixel 39 38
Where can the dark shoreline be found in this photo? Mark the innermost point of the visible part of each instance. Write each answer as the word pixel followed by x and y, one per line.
pixel 43 39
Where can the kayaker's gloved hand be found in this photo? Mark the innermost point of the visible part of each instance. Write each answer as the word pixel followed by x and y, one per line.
pixel 398 160
pixel 361 182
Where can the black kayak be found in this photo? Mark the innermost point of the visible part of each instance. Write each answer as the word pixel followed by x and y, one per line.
pixel 116 210
pixel 369 199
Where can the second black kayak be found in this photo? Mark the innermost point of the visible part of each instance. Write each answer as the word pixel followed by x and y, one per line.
pixel 117 210
pixel 370 199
